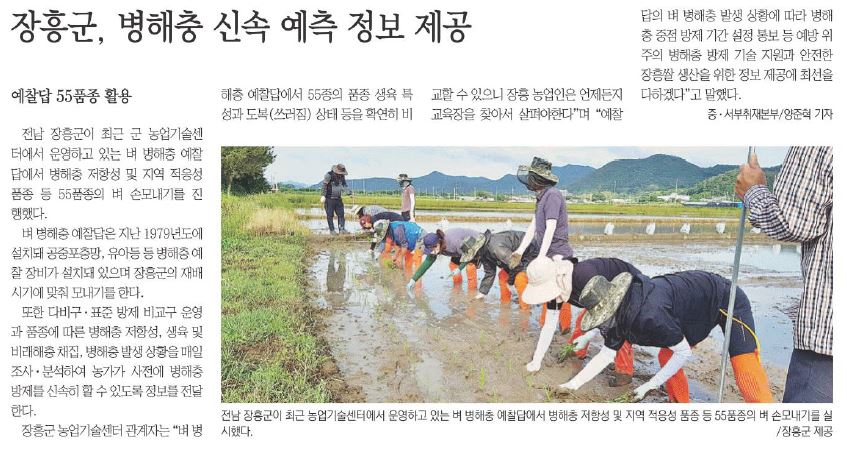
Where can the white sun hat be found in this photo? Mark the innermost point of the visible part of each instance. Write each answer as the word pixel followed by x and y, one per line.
pixel 548 279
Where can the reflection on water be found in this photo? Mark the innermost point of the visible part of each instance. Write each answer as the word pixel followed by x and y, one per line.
pixel 522 215
pixel 354 276
pixel 575 228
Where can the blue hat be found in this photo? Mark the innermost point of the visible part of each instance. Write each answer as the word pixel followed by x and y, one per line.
pixel 430 240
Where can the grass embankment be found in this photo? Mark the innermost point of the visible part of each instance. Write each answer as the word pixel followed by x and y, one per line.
pixel 305 200
pixel 270 350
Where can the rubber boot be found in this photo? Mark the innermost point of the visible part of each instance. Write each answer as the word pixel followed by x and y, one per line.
pixel 409 263
pixel 418 262
pixel 386 252
pixel 577 332
pixel 470 269
pixel 677 385
pixel 623 366
pixel 505 292
pixel 751 378
pixel 521 282
pixel 457 279
pixel 565 318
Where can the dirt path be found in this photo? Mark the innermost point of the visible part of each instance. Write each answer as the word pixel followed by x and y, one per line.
pixel 440 345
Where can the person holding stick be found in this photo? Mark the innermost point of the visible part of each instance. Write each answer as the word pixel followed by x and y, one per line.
pixel 799 209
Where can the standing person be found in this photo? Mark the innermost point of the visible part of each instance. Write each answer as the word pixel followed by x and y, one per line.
pixel 800 210
pixel 673 312
pixel 448 243
pixel 334 186
pixel 407 197
pixel 549 228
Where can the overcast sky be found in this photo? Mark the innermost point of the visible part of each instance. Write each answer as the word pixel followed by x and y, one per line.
pixel 309 164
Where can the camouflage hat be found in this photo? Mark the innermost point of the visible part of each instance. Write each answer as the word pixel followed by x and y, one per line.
pixel 404 178
pixel 602 298
pixel 471 246
pixel 339 169
pixel 380 230
pixel 543 168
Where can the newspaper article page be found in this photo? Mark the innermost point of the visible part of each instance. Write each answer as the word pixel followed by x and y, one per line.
pixel 373 224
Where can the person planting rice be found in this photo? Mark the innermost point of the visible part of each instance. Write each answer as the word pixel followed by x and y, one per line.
pixel 367 221
pixel 568 280
pixel 407 197
pixel 333 188
pixel 548 228
pixel 449 243
pixel 408 238
pixel 492 251
pixel 673 312
pixel 366 210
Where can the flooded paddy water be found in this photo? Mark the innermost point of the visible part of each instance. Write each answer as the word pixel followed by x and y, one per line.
pixel 438 344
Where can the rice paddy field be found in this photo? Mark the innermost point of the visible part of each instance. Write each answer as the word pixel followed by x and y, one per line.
pixel 309 317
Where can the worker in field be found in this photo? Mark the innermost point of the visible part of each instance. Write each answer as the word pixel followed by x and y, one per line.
pixel 492 251
pixel 799 209
pixel 333 188
pixel 407 197
pixel 366 210
pixel 448 243
pixel 548 228
pixel 673 312
pixel 569 280
pixel 407 238
pixel 367 223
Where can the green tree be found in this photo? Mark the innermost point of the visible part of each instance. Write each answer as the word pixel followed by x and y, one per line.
pixel 244 163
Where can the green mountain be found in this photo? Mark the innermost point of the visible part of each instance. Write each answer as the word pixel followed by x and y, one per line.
pixel 723 185
pixel 654 173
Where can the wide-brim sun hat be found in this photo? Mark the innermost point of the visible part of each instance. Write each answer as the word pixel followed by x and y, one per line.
pixel 602 299
pixel 543 168
pixel 471 246
pixel 339 169
pixel 542 277
pixel 404 178
pixel 354 210
pixel 380 230
pixel 539 167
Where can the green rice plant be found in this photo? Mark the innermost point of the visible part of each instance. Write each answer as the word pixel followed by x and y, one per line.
pixel 566 351
pixel 627 397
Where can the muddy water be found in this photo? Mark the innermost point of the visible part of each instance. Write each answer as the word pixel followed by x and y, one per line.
pixel 439 344
pixel 576 228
